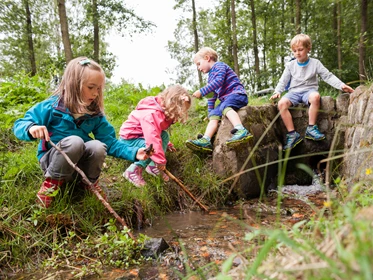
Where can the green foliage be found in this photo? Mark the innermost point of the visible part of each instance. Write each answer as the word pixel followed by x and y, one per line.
pixel 122 99
pixel 19 93
pixel 275 26
pixel 77 226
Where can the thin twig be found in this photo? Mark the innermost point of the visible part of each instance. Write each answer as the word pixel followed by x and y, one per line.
pixel 93 189
pixel 186 190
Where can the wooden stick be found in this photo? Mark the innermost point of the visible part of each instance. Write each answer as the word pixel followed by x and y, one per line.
pixel 186 190
pixel 93 189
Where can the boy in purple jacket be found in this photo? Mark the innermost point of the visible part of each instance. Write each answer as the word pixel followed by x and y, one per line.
pixel 226 86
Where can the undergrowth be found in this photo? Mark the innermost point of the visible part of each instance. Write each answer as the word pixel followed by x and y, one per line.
pixel 77 231
pixel 77 228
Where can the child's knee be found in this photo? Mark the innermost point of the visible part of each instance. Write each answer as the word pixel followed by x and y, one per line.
pixel 96 148
pixel 72 145
pixel 226 110
pixel 283 104
pixel 314 98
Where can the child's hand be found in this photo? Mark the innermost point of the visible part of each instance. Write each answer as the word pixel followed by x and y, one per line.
pixel 161 167
pixel 276 95
pixel 197 94
pixel 39 132
pixel 143 153
pixel 347 88
pixel 149 150
pixel 170 147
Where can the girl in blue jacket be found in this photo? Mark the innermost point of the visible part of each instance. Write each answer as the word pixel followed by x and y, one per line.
pixel 71 117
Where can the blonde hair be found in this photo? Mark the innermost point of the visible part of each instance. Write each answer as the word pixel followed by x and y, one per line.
pixel 206 51
pixel 303 39
pixel 70 88
pixel 176 102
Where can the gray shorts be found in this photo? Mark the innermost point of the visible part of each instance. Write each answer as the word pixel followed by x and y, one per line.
pixel 299 97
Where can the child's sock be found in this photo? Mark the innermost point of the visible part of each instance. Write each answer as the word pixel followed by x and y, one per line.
pixel 207 137
pixel 239 126
pixel 291 132
pixel 131 167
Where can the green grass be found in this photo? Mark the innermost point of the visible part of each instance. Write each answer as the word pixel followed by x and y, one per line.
pixel 335 243
pixel 77 221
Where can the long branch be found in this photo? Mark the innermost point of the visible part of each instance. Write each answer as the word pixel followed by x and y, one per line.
pixel 93 189
pixel 185 189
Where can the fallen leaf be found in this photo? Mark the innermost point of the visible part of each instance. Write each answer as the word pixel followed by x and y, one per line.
pixel 204 248
pixel 134 272
pixel 297 215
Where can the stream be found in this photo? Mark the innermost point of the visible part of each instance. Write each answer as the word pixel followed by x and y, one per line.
pixel 199 242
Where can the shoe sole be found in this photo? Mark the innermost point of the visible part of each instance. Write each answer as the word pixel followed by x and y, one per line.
pixel 239 141
pixel 314 139
pixel 296 143
pixel 197 148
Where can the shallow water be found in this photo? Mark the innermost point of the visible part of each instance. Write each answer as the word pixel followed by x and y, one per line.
pixel 204 240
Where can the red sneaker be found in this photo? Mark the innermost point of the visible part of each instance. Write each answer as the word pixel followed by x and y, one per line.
pixel 49 189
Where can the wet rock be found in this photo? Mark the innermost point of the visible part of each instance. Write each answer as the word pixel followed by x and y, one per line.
pixel 154 247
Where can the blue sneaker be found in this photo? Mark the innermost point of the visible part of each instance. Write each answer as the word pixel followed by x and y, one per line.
pixel 200 145
pixel 239 136
pixel 314 133
pixel 292 139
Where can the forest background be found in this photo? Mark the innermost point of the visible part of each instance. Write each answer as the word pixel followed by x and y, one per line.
pixel 39 37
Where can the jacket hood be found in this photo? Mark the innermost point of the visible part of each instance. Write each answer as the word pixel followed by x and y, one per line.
pixel 150 102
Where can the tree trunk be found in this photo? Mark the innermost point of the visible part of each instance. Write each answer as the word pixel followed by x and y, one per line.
pixel 283 26
pixel 29 38
pixel 196 40
pixel 291 4
pixel 234 37
pixel 297 16
pixel 65 30
pixel 96 29
pixel 255 43
pixel 229 33
pixel 363 38
pixel 339 37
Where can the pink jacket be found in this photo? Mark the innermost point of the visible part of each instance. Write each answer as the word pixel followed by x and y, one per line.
pixel 147 121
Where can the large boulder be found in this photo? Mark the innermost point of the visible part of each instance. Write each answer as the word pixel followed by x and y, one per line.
pixel 358 158
pixel 255 161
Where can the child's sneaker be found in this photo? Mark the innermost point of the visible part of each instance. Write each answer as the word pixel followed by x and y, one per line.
pixel 239 136
pixel 200 145
pixel 292 139
pixel 135 176
pixel 314 133
pixel 154 171
pixel 49 189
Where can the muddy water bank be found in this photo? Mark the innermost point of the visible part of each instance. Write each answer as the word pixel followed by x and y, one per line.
pixel 200 242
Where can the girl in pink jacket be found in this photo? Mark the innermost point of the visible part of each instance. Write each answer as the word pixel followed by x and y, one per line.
pixel 147 124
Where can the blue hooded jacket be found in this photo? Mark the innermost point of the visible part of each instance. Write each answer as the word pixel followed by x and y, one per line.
pixel 61 123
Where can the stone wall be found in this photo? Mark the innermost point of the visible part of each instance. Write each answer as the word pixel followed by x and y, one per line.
pixel 265 147
pixel 358 159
